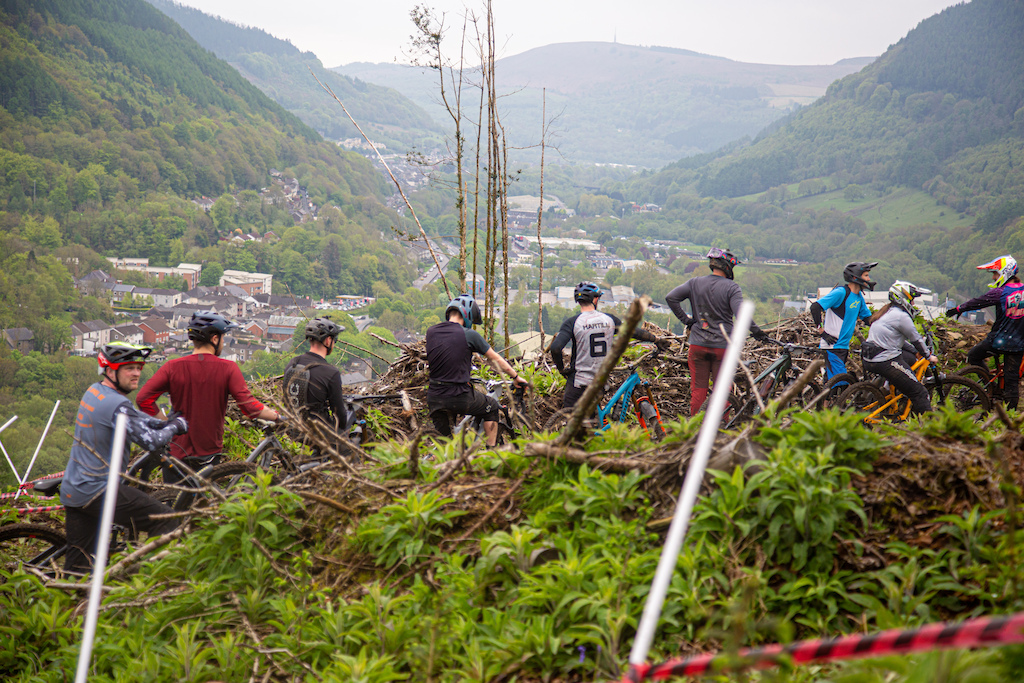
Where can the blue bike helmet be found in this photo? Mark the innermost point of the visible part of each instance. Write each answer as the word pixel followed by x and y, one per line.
pixel 468 308
pixel 586 292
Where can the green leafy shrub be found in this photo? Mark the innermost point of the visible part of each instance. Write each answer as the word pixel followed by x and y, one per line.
pixel 400 531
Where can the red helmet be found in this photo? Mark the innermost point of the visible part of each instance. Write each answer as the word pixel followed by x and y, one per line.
pixel 116 354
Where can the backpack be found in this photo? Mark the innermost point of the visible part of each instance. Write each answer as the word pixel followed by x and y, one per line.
pixel 296 386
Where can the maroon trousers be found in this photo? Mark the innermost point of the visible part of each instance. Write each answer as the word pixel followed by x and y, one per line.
pixel 704 364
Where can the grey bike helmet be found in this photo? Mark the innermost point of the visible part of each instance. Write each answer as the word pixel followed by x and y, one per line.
pixel 468 308
pixel 319 329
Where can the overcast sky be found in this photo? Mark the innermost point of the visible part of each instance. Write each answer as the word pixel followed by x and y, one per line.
pixel 761 31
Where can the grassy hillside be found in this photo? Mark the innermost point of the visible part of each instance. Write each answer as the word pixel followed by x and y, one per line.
pixel 281 71
pixel 629 104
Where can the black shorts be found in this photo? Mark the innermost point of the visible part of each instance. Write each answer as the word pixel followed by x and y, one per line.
pixel 443 411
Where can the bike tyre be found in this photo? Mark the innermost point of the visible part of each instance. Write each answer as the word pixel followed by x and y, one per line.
pixel 807 395
pixel 965 394
pixel 835 386
pixel 227 476
pixel 860 396
pixel 558 420
pixel 33 542
pixel 729 415
pixel 649 414
pixel 983 376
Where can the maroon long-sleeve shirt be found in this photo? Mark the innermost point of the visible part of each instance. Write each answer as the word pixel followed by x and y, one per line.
pixel 199 386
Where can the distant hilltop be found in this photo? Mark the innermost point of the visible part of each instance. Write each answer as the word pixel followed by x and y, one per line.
pixel 628 104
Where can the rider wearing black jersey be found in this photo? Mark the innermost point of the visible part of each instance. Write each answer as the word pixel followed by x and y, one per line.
pixel 591 333
pixel 450 348
pixel 312 386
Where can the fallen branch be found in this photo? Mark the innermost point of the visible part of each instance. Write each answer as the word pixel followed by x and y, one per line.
pixel 579 457
pixel 326 501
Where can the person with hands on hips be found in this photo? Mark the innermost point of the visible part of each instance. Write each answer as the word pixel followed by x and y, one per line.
pixel 1007 335
pixel 715 301
pixel 883 352
pixel 836 314
pixel 591 334
pixel 85 478
pixel 450 348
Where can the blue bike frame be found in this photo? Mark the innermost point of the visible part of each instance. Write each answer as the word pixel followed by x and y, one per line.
pixel 616 410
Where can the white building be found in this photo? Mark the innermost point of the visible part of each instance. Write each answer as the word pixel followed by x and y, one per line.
pixel 264 281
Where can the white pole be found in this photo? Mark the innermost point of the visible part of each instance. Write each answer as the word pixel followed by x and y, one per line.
pixel 691 487
pixel 102 548
pixel 32 462
pixel 9 463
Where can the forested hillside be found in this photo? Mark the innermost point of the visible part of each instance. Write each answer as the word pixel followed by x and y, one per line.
pixel 949 91
pixel 940 116
pixel 282 71
pixel 114 118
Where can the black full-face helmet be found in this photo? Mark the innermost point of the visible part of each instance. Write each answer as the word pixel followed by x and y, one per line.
pixel 853 273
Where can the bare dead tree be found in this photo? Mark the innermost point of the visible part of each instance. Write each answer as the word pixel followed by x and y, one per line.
pixel 398 185
pixel 427 43
pixel 540 214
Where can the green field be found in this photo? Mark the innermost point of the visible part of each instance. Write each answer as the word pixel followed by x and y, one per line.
pixel 899 209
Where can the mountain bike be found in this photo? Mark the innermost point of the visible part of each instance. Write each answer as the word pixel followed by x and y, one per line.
pixel 743 405
pixel 41 546
pixel 510 422
pixel 992 381
pixel 270 453
pixel 887 403
pixel 632 397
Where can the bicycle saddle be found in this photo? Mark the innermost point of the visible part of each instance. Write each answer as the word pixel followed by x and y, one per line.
pixel 47 486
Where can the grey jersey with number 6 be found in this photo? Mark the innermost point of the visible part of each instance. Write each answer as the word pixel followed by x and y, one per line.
pixel 591 333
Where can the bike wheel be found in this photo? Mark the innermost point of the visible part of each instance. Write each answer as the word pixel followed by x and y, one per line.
pixel 649 418
pixel 807 395
pixel 558 420
pixel 229 477
pixel 983 377
pixel 734 412
pixel 976 373
pixel 834 388
pixel 31 545
pixel 961 393
pixel 860 396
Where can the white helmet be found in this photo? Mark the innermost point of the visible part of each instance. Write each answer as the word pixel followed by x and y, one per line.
pixel 1006 266
pixel 903 293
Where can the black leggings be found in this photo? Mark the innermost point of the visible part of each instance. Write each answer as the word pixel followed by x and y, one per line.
pixel 902 377
pixel 1011 369
pixel 133 512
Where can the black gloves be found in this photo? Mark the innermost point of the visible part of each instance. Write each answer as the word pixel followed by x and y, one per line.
pixel 760 335
pixel 662 343
pixel 180 425
pixel 953 312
